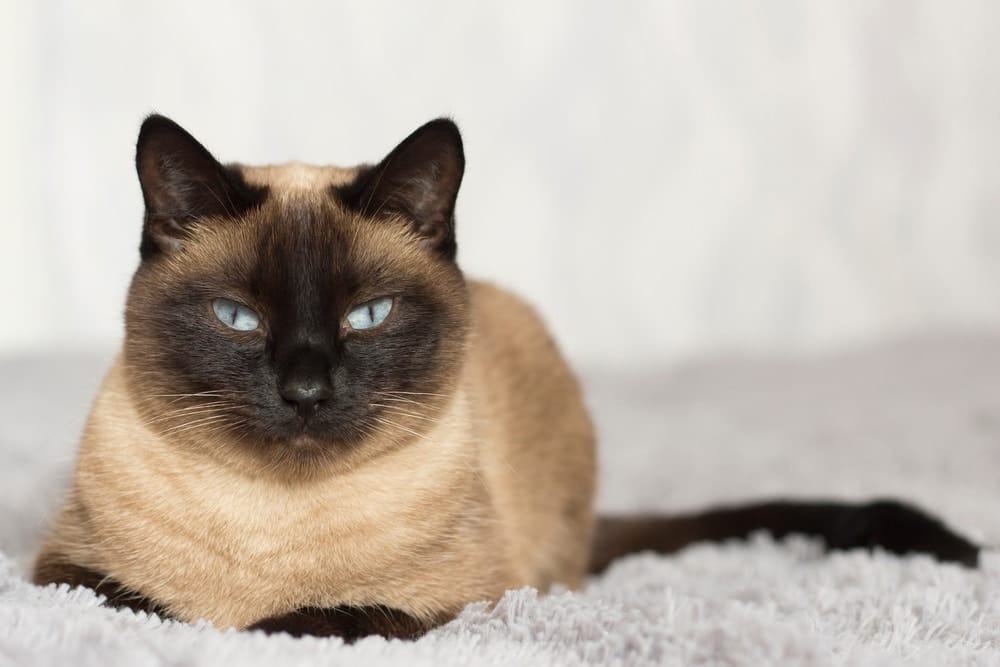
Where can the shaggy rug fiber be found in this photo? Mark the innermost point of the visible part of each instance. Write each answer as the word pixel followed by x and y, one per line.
pixel 917 419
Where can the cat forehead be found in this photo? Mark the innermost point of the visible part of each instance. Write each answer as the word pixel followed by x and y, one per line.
pixel 301 222
pixel 300 232
pixel 293 177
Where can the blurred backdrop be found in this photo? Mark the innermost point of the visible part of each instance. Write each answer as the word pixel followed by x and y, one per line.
pixel 662 179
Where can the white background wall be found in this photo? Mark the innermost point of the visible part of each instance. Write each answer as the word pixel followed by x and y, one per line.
pixel 663 179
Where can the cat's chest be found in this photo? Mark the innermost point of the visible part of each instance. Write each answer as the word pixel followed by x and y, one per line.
pixel 216 544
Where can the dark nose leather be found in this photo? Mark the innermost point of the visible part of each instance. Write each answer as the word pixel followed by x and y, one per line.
pixel 307 396
pixel 306 382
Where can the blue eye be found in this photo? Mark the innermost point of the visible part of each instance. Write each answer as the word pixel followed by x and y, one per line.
pixel 370 314
pixel 235 315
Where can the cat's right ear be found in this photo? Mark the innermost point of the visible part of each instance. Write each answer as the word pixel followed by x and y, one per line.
pixel 181 184
pixel 418 181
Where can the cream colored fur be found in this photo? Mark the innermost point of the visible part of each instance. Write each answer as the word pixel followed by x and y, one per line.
pixel 494 494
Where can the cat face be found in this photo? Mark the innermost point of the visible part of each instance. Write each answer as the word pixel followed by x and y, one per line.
pixel 296 314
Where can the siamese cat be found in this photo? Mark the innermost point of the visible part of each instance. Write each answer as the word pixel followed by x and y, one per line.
pixel 318 425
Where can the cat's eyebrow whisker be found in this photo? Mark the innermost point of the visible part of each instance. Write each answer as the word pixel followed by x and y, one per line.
pixel 228 208
pixel 232 205
pixel 371 195
pixel 385 200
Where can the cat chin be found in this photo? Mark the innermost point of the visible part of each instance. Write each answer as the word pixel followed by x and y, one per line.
pixel 299 455
pixel 305 446
pixel 306 443
pixel 296 434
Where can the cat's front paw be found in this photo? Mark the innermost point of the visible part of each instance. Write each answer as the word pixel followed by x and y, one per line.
pixel 901 529
pixel 348 623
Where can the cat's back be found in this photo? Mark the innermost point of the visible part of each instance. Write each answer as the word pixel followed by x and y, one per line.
pixel 538 449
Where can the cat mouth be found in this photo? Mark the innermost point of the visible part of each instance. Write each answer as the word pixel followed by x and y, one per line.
pixel 293 433
pixel 310 434
pixel 304 433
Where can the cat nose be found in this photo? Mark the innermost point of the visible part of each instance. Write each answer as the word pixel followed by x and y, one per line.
pixel 307 394
pixel 305 380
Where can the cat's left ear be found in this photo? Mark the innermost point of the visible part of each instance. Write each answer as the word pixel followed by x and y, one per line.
pixel 418 181
pixel 183 184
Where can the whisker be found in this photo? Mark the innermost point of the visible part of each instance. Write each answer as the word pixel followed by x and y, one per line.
pixel 199 406
pixel 203 421
pixel 190 411
pixel 402 413
pixel 206 434
pixel 399 400
pixel 197 413
pixel 389 422
pixel 213 431
pixel 153 401
pixel 371 195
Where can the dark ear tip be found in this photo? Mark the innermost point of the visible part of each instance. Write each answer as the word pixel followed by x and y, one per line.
pixel 155 122
pixel 444 123
pixel 156 127
pixel 443 129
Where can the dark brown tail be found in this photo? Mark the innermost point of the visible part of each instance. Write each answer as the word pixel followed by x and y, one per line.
pixel 888 524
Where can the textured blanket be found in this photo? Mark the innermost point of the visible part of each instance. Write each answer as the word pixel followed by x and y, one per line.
pixel 918 419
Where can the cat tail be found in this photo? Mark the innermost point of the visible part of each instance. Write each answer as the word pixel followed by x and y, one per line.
pixel 891 525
